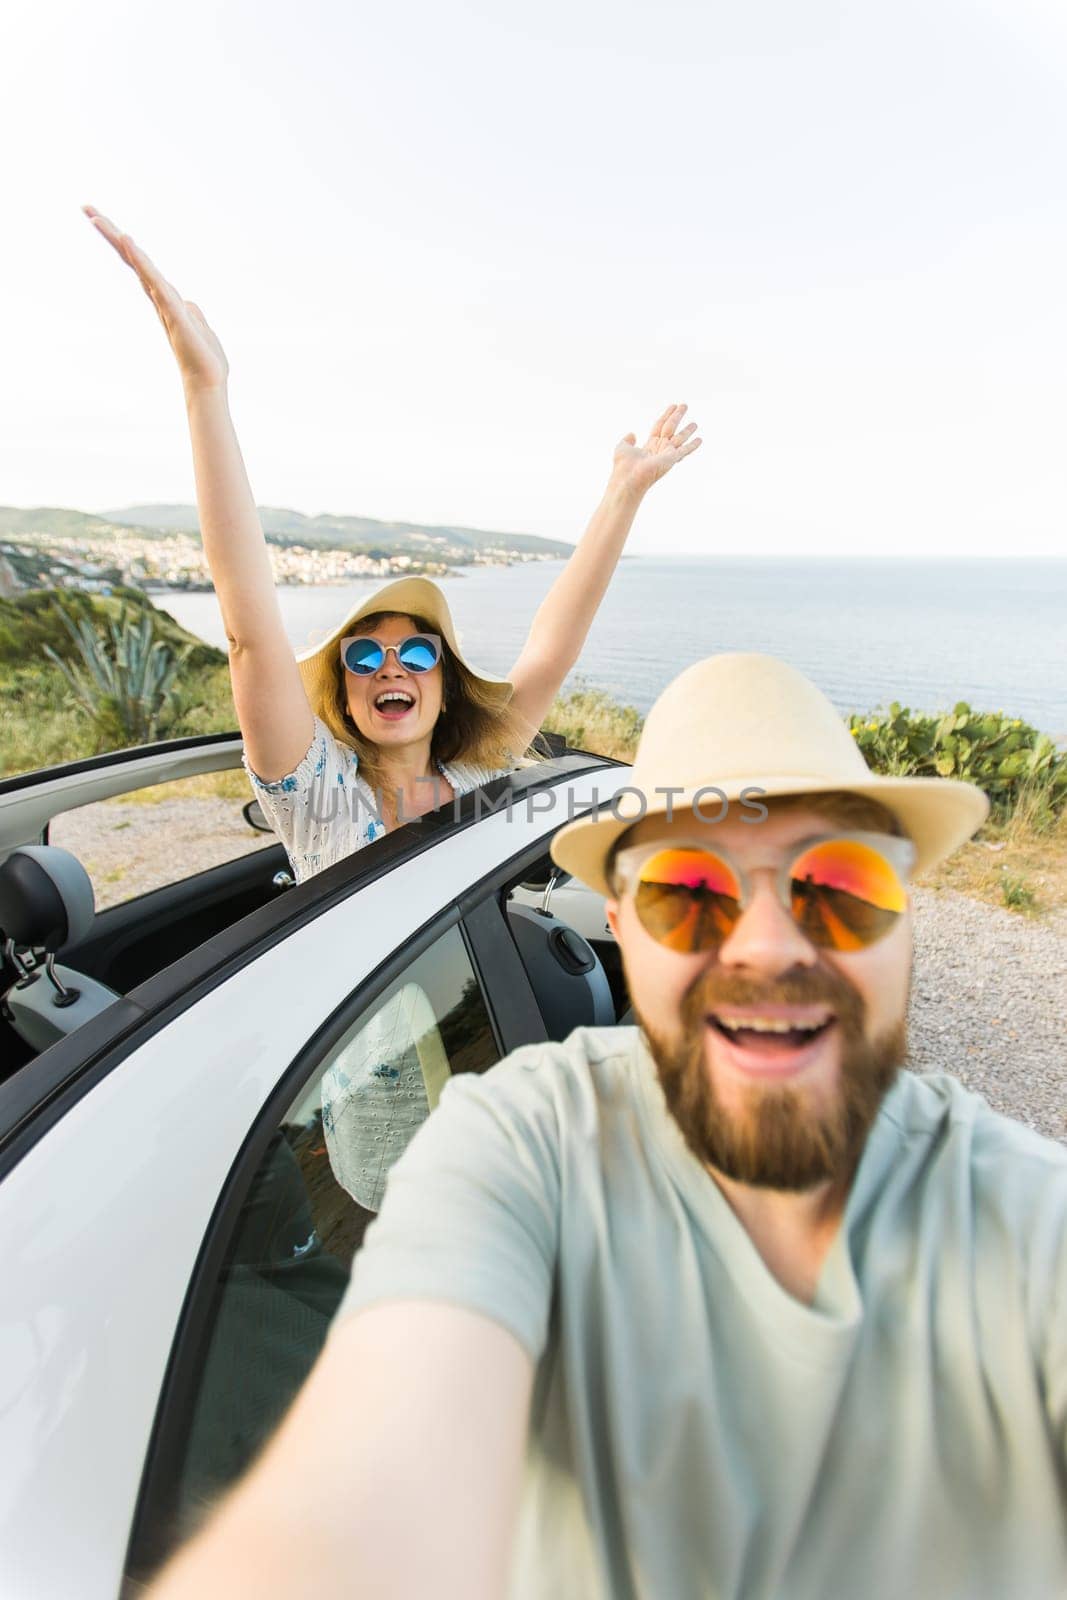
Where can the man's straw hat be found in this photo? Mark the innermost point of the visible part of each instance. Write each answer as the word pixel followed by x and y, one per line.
pixel 410 597
pixel 737 722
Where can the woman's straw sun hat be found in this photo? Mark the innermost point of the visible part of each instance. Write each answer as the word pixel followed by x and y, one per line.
pixel 749 722
pixel 410 597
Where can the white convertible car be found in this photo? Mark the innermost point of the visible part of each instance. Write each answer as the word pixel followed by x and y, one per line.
pixel 203 1089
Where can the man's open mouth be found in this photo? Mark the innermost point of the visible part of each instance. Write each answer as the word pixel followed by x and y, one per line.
pixel 776 1032
pixel 393 704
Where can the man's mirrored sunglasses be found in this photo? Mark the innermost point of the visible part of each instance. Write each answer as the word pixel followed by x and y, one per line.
pixel 844 892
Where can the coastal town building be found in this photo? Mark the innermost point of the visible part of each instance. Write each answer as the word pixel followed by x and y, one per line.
pixel 176 561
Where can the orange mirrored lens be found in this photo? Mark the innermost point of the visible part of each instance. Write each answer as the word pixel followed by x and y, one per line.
pixel 845 894
pixel 688 900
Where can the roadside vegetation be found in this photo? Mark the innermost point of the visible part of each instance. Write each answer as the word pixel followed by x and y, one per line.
pixel 1019 859
pixel 81 674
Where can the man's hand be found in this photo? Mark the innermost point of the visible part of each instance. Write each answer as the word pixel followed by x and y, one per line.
pixel 397 1472
pixel 637 467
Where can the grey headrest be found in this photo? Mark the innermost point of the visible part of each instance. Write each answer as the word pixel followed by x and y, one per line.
pixel 564 970
pixel 46 899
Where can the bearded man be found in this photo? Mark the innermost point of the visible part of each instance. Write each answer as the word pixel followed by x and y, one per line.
pixel 724 1304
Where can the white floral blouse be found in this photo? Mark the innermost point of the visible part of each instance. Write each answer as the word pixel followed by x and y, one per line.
pixel 323 810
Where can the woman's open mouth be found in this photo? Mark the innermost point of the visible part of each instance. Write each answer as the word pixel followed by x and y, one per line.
pixel 771 1041
pixel 393 704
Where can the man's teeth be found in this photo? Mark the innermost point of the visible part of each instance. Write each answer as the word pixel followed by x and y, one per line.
pixel 769 1025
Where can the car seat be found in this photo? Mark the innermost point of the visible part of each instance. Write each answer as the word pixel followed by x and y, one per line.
pixel 46 902
pixel 565 972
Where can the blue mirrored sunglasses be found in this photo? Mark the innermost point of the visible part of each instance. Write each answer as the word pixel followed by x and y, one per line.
pixel 363 654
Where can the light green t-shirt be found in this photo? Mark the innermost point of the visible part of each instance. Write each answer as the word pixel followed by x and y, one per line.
pixel 696 1430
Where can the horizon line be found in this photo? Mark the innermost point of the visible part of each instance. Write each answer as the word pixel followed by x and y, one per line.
pixel 925 555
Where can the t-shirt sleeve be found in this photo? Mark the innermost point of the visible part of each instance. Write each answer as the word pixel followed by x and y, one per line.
pixel 471 1210
pixel 298 805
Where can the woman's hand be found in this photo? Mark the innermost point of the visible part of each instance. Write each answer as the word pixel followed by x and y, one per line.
pixel 637 467
pixel 199 354
pixel 563 619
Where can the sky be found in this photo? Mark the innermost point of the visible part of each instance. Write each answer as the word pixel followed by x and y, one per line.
pixel 455 252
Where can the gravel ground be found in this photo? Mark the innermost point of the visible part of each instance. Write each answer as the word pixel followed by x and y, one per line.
pixel 989 1004
pixel 989 998
pixel 128 848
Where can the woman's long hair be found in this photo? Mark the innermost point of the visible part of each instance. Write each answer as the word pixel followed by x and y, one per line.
pixel 474 726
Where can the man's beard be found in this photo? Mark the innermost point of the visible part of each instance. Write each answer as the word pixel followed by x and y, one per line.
pixel 777 1141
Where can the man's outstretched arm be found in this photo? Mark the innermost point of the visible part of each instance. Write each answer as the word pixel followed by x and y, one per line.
pixel 396 1473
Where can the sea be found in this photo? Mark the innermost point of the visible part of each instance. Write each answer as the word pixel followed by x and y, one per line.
pixel 925 633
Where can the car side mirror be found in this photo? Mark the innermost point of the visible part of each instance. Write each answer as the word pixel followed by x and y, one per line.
pixel 252 812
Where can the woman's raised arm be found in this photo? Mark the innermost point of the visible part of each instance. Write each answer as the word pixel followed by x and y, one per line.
pixel 563 619
pixel 272 709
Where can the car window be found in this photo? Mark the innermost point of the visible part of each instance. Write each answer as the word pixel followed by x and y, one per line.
pixel 159 835
pixel 314 1193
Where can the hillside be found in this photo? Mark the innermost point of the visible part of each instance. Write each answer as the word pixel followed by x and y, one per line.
pixel 345 532
pixel 57 522
pixel 29 621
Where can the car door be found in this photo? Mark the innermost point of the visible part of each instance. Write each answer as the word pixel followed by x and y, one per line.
pixel 161 1179
pixel 163 834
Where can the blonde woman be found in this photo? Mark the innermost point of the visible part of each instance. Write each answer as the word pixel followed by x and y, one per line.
pixel 385 720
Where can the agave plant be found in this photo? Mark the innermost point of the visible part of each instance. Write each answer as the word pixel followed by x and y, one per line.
pixel 124 679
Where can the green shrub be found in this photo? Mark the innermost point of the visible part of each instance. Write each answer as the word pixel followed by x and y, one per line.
pixel 42 726
pixel 589 719
pixel 39 726
pixel 42 723
pixel 123 678
pixel 30 621
pixel 1017 893
pixel 1017 766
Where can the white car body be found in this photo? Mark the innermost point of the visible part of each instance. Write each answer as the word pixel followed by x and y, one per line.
pixel 104 1215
